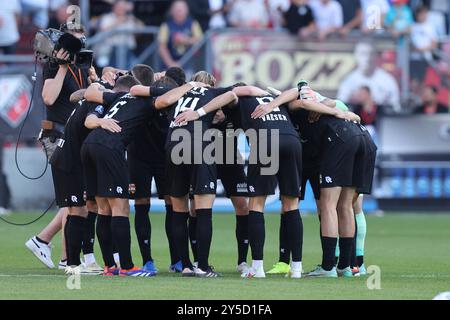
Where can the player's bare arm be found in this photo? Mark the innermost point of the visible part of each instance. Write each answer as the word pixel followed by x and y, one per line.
pixel 77 96
pixel 215 104
pixel 140 91
pixel 284 98
pixel 52 87
pixel 94 93
pixel 169 98
pixel 94 122
pixel 250 91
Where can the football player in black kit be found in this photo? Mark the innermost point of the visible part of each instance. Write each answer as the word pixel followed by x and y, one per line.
pixel 347 155
pixel 106 171
pixel 234 181
pixel 69 179
pixel 268 129
pixel 146 159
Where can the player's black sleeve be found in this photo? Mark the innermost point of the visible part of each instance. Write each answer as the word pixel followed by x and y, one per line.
pixel 97 110
pixel 106 84
pixel 157 91
pixel 109 98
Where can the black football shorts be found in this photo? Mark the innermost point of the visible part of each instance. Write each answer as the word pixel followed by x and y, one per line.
pixel 288 176
pixel 106 171
pixel 185 176
pixel 69 187
pixel 233 179
pixel 311 174
pixel 141 174
pixel 348 164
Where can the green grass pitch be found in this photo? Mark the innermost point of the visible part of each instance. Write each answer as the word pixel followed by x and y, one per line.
pixel 412 251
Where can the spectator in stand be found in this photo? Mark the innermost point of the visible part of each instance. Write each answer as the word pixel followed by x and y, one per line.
pixel 373 13
pixel 58 17
pixel 328 16
pixel 299 18
pixel 368 73
pixel 248 14
pixel 399 19
pixel 9 31
pixel 178 34
pixel 121 18
pixel 423 35
pixel 201 12
pixel 352 15
pixel 430 102
pixel 368 110
pixel 365 106
pixel 276 9
pixel 37 9
pixel 439 12
pixel 218 9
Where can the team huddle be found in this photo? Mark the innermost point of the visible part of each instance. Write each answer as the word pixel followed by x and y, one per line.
pixel 134 126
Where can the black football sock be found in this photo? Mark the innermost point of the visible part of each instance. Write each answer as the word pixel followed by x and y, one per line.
pixel 75 229
pixel 66 236
pixel 360 260
pixel 143 230
pixel 294 230
pixel 285 251
pixel 192 225
pixel 345 247
pixel 122 237
pixel 256 234
pixel 89 233
pixel 105 240
pixel 242 238
pixel 174 256
pixel 328 250
pixel 181 238
pixel 204 236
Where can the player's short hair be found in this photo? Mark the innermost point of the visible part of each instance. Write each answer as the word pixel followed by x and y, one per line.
pixel 177 74
pixel 125 83
pixel 144 74
pixel 239 84
pixel 205 77
pixel 166 82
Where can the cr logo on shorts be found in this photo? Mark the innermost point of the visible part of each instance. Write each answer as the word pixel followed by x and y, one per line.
pixel 74 199
pixel 119 190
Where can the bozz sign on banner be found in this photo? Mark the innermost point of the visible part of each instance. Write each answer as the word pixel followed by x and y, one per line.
pixel 336 68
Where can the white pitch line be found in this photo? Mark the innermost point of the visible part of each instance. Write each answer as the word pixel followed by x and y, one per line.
pixel 426 276
pixel 31 275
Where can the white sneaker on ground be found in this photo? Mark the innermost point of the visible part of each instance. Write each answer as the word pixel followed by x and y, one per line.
pixel 253 273
pixel 94 267
pixel 42 251
pixel 62 264
pixel 295 270
pixel 241 268
pixel 81 270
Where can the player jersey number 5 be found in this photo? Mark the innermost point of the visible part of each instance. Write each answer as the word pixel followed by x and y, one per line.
pixel 112 112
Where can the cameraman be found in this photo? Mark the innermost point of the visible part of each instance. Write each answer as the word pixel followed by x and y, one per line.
pixel 61 78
